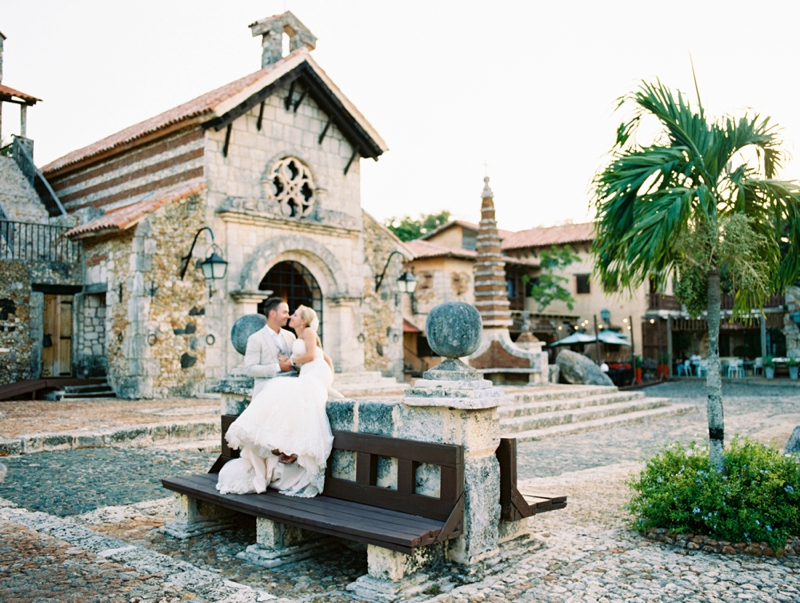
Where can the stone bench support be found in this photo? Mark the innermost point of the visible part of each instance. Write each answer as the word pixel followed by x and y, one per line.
pixel 194 517
pixel 278 544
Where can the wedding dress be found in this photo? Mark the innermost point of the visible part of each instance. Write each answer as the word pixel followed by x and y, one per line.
pixel 287 415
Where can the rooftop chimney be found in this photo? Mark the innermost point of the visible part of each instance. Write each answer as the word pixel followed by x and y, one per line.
pixel 2 39
pixel 271 31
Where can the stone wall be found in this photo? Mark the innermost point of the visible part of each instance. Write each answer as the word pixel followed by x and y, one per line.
pixel 155 322
pixel 383 322
pixel 255 234
pixel 16 343
pixel 18 200
pixel 91 345
pixel 21 313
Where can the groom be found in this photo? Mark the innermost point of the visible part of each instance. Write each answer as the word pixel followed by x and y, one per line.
pixel 269 349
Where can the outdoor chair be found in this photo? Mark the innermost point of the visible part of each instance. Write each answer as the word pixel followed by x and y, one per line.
pixel 702 368
pixel 758 366
pixel 735 368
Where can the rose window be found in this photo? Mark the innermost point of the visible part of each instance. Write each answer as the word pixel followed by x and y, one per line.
pixel 290 184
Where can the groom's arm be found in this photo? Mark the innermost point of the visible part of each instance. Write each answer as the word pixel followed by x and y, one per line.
pixel 252 362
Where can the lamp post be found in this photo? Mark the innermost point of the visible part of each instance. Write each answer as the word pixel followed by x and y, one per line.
pixel 407 281
pixel 214 267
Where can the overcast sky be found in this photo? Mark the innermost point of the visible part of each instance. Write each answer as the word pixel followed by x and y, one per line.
pixel 527 87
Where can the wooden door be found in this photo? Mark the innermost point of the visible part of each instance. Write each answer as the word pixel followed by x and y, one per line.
pixel 57 336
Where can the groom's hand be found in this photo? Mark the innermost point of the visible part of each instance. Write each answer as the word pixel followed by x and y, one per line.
pixel 285 363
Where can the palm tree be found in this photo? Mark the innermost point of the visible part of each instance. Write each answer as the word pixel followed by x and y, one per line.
pixel 700 203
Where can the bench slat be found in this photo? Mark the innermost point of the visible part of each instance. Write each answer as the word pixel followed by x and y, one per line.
pixel 297 512
pixel 384 515
pixel 269 505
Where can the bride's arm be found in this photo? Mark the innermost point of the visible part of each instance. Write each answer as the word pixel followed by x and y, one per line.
pixel 311 348
pixel 329 361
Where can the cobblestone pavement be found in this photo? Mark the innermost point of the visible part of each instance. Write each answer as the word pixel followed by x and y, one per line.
pixel 18 417
pixel 766 413
pixel 86 527
pixel 70 482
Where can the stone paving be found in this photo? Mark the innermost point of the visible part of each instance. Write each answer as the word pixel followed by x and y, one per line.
pixel 85 527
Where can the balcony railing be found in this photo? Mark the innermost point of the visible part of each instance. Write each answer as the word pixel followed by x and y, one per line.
pixel 726 302
pixel 36 242
pixel 664 302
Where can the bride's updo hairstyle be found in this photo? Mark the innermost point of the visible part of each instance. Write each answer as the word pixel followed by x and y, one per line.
pixel 311 320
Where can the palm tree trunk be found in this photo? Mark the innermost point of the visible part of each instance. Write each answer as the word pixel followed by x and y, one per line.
pixel 716 419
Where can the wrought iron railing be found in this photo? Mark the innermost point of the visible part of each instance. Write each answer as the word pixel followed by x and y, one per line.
pixel 37 242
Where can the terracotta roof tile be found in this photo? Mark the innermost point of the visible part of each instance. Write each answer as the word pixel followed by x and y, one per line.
pixel 11 92
pixel 215 103
pixel 464 224
pixel 427 250
pixel 123 218
pixel 552 235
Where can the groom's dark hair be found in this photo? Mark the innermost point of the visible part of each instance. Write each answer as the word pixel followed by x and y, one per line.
pixel 272 304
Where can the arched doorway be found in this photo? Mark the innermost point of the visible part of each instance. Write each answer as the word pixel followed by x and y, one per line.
pixel 294 283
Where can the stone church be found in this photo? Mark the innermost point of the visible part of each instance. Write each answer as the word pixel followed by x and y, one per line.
pixel 262 173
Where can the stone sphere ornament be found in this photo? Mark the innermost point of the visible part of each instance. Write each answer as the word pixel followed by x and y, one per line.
pixel 454 329
pixel 243 328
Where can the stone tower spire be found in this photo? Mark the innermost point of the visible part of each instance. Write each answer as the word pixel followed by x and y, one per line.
pixel 491 293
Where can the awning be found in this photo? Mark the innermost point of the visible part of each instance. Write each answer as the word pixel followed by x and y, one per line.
pixel 606 337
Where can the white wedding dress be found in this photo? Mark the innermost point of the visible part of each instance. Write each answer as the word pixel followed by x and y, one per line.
pixel 287 415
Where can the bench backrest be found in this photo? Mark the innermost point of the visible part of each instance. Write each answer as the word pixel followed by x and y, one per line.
pixel 409 454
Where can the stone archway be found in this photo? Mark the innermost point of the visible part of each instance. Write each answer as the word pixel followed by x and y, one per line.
pixel 293 282
pixel 317 258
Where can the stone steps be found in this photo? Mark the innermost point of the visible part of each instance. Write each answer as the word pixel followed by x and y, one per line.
pixel 582 413
pixel 556 392
pixel 535 413
pixel 527 408
pixel 670 410
pixel 71 392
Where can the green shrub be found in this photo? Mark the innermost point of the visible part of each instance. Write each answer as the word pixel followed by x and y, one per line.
pixel 758 500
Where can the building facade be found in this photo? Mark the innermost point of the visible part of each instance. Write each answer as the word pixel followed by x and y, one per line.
pixel 265 173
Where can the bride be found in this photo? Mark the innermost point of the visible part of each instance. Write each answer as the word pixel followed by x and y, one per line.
pixel 284 434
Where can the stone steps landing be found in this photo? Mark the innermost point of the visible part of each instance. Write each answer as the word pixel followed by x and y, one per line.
pixel 537 413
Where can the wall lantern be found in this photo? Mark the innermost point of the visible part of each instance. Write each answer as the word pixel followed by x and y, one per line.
pixel 407 281
pixel 605 315
pixel 214 267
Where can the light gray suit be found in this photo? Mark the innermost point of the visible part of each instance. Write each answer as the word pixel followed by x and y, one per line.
pixel 261 357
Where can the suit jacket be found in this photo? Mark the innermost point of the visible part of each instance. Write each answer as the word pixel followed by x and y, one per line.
pixel 261 356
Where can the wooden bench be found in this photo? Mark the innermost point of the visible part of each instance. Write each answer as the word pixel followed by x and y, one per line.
pixel 360 510
pixel 513 504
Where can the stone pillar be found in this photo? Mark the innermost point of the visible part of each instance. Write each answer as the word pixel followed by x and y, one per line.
pixel 451 404
pixel 455 399
pixel 343 327
pixel 36 313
